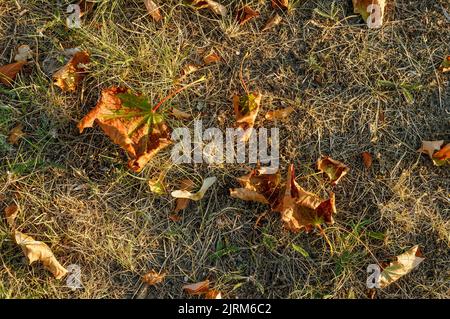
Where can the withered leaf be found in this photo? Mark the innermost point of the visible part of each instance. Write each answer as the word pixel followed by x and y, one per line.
pixel 86 7
pixel 335 170
pixel 442 156
pixel 272 22
pixel 153 10
pixel 246 110
pixel 11 213
pixel 283 4
pixel 198 288
pixel 68 77
pixel 157 186
pixel 362 7
pixel 207 183
pixel 445 65
pixel 211 58
pixel 403 265
pixel 130 124
pixel 9 72
pixel 23 53
pixel 302 210
pixel 214 6
pixel 39 251
pixel 152 277
pixel 279 114
pixel 367 159
pixel 245 14
pixel 181 115
pixel 429 147
pixel 213 294
pixel 182 203
pixel 16 134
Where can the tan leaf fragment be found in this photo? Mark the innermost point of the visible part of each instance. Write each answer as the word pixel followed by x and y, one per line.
pixel 182 203
pixel 279 114
pixel 153 10
pixel 141 141
pixel 24 53
pixel 335 170
pixel 246 110
pixel 198 288
pixel 9 72
pixel 207 183
pixel 16 134
pixel 403 265
pixel 181 115
pixel 39 251
pixel 214 6
pixel 367 159
pixel 152 277
pixel 245 14
pixel 283 4
pixel 429 147
pixel 11 213
pixel 69 76
pixel 272 22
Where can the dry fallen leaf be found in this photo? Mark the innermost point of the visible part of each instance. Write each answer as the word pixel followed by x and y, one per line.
pixel 207 183
pixel 214 6
pixel 362 6
pixel 24 53
pixel 9 72
pixel 182 203
pixel 211 58
pixel 157 186
pixel 403 264
pixel 213 294
pixel 86 7
pixel 367 159
pixel 130 124
pixel 39 251
pixel 279 114
pixel 283 4
pixel 302 210
pixel 68 77
pixel 440 155
pixel 11 213
pixel 246 110
pixel 152 277
pixel 16 134
pixel 335 170
pixel 198 288
pixel 445 66
pixel 181 115
pixel 153 10
pixel 245 14
pixel 272 22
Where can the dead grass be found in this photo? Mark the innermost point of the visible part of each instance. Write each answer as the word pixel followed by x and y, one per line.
pixel 76 194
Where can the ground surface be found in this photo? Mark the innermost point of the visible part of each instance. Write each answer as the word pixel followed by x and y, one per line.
pixel 76 194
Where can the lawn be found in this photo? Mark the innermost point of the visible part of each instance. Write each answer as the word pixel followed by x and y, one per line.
pixel 353 90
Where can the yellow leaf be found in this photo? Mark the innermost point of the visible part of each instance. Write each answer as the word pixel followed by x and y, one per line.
pixel 335 170
pixel 68 77
pixel 16 134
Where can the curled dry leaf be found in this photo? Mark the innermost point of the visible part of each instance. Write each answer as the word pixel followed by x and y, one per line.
pixel 16 134
pixel 283 4
pixel 11 213
pixel 445 66
pixel 279 114
pixel 245 14
pixel 39 251
pixel 302 210
pixel 362 7
pixel 9 72
pixel 68 77
pixel 24 53
pixel 181 115
pixel 182 203
pixel 214 6
pixel 131 124
pixel 272 22
pixel 440 155
pixel 153 10
pixel 86 7
pixel 246 110
pixel 152 277
pixel 335 170
pixel 207 183
pixel 198 288
pixel 211 58
pixel 367 159
pixel 403 265
pixel 213 294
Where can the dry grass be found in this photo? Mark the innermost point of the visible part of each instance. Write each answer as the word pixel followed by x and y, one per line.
pixel 76 194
